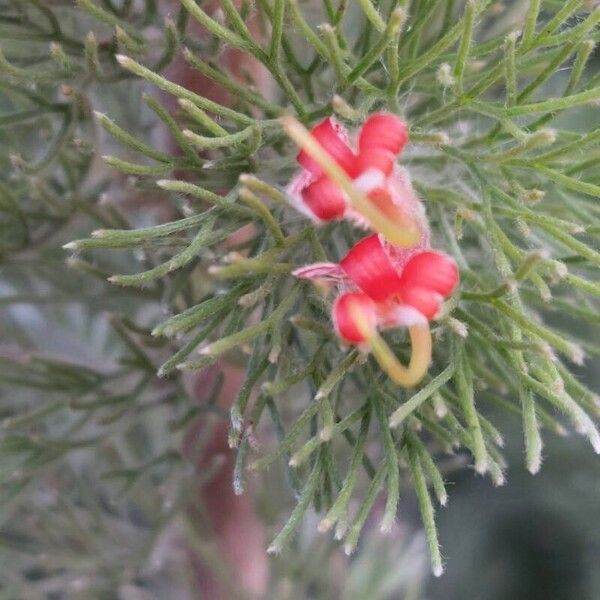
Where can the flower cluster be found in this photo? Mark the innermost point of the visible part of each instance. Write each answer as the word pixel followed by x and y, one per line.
pixel 381 285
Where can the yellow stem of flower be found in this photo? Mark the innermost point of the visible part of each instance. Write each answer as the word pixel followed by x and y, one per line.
pixel 400 233
pixel 420 339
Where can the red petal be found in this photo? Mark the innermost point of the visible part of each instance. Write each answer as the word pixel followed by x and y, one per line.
pixel 369 266
pixel 384 131
pixel 331 135
pixel 374 158
pixel 345 312
pixel 325 199
pixel 426 301
pixel 434 271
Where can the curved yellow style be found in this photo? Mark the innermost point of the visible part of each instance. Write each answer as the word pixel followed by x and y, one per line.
pixel 420 337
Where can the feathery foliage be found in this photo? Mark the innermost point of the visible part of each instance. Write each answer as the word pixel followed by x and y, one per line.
pixel 511 191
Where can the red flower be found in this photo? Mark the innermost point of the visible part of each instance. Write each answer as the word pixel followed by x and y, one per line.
pixel 406 286
pixel 381 139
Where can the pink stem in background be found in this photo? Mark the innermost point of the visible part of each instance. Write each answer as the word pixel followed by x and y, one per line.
pixel 233 526
pixel 238 533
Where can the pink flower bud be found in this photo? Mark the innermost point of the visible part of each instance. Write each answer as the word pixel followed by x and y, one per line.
pixel 383 131
pixel 354 317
